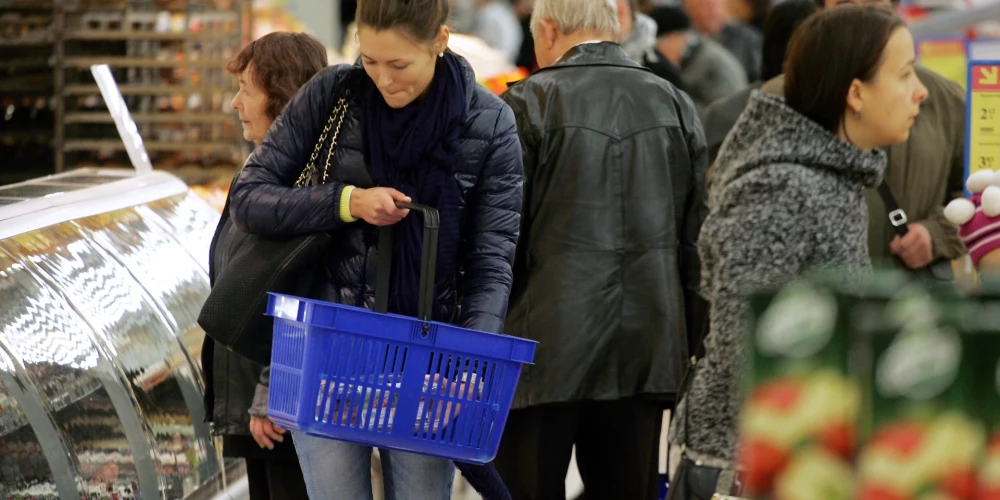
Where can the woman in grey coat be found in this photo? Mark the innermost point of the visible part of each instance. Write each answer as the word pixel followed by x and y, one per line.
pixel 787 199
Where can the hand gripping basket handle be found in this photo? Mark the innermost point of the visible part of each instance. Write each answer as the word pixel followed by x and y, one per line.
pixel 428 261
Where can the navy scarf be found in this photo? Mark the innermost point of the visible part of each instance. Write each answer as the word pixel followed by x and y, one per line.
pixel 416 150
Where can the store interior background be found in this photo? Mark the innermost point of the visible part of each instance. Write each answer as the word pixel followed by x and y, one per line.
pixel 169 56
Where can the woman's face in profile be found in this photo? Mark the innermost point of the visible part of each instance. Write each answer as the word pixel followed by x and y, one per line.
pixel 891 100
pixel 401 69
pixel 251 103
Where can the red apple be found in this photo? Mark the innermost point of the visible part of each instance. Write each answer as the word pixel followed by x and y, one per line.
pixel 838 439
pixel 960 484
pixel 994 446
pixel 781 394
pixel 992 493
pixel 876 492
pixel 762 462
pixel 903 438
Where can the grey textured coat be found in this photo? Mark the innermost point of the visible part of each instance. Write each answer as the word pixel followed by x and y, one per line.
pixel 786 200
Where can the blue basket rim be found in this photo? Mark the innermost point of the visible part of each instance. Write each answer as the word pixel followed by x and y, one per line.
pixel 369 311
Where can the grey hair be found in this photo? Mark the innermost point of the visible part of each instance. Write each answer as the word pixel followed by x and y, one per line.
pixel 571 16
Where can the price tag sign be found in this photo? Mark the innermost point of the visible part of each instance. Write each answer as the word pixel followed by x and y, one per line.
pixel 946 56
pixel 983 117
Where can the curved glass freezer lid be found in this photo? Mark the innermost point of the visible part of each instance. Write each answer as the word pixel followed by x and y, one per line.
pixel 24 470
pixel 152 372
pixel 161 265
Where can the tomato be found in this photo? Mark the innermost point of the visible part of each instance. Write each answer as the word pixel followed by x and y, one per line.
pixel 989 494
pixel 838 439
pixel 960 484
pixel 781 394
pixel 762 462
pixel 876 492
pixel 903 438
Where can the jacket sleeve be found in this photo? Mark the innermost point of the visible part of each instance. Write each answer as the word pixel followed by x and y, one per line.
pixel 263 200
pixel 944 235
pixel 529 155
pixel 493 230
pixel 258 406
pixel 696 308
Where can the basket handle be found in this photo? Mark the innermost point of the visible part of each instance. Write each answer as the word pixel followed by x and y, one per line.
pixel 428 261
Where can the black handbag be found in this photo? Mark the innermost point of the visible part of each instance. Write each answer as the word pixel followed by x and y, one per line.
pixel 243 267
pixel 938 271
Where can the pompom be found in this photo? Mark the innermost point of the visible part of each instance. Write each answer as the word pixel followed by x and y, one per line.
pixel 991 201
pixel 960 211
pixel 978 181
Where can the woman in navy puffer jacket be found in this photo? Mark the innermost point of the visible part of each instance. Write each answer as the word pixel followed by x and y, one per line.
pixel 417 128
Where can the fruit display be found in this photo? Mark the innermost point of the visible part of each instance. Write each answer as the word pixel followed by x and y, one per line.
pixel 924 434
pixel 799 422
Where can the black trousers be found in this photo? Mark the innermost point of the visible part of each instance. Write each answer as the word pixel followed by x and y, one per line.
pixel 272 479
pixel 617 447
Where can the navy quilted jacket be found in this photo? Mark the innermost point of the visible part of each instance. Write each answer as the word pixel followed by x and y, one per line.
pixel 489 174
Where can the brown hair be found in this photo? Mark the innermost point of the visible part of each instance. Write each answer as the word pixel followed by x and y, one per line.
pixel 829 51
pixel 279 64
pixel 418 20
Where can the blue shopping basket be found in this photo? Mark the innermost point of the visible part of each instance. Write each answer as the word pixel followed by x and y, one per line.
pixel 393 381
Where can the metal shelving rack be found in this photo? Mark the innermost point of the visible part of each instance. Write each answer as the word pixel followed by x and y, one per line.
pixel 168 57
pixel 26 89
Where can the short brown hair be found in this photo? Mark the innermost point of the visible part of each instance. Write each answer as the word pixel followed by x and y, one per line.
pixel 829 51
pixel 418 20
pixel 279 64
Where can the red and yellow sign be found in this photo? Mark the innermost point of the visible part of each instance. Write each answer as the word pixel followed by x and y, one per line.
pixel 947 57
pixel 984 117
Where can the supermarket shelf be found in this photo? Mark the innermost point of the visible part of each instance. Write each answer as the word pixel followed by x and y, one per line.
pixel 146 90
pixel 102 117
pixel 113 144
pixel 87 62
pixel 22 85
pixel 43 134
pixel 30 42
pixel 112 35
pixel 25 63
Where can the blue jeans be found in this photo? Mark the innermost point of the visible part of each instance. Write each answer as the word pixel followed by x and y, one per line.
pixel 337 470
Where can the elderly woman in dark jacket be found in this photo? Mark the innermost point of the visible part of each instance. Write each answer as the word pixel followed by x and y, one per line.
pixel 269 70
pixel 417 128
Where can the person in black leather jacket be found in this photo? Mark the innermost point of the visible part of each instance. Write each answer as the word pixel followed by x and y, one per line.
pixel 607 271
pixel 417 128
pixel 270 70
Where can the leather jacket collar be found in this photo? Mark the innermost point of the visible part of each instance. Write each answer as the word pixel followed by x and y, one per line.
pixel 595 54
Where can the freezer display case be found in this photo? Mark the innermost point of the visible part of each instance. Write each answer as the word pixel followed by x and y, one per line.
pixel 102 275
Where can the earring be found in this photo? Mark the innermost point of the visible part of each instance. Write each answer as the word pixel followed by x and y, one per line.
pixel 857 114
pixel 441 54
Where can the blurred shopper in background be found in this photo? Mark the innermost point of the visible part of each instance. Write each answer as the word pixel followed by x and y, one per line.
pixel 606 274
pixel 923 175
pixel 637 33
pixel 752 13
pixel 794 170
pixel 712 19
pixel 721 115
pixel 269 70
pixel 496 24
pixel 708 70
